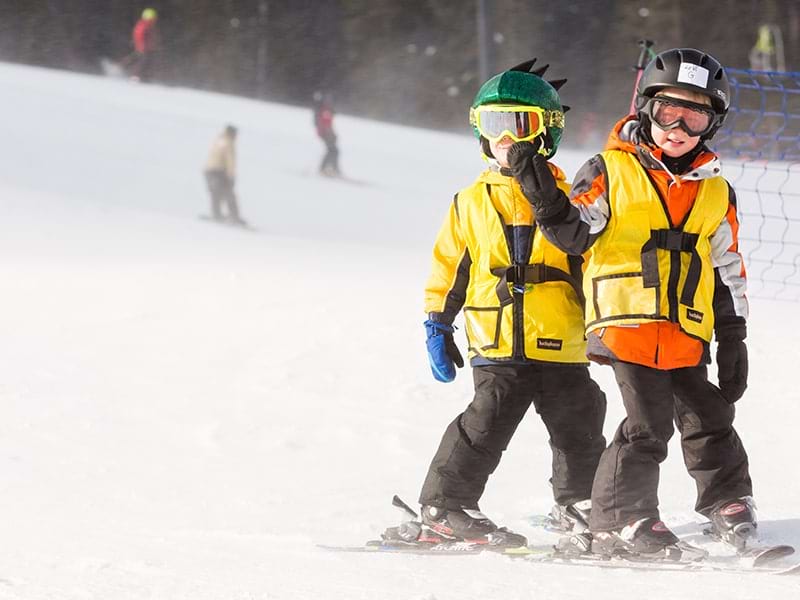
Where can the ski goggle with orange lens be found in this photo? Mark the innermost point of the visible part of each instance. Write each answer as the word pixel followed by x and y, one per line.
pixel 520 123
pixel 669 113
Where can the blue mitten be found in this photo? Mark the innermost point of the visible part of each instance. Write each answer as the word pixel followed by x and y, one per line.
pixel 443 353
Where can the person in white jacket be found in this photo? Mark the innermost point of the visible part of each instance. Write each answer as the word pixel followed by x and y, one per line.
pixel 220 174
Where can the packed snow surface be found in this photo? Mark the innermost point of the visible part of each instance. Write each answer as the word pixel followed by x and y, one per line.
pixel 188 409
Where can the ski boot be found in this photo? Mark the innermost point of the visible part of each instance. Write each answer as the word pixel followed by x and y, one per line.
pixel 469 525
pixel 734 522
pixel 646 539
pixel 572 518
pixel 413 532
pixel 577 544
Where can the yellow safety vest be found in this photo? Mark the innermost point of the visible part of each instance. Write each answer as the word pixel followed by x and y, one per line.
pixel 641 269
pixel 550 309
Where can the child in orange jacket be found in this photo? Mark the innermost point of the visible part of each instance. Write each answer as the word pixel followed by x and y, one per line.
pixel 657 226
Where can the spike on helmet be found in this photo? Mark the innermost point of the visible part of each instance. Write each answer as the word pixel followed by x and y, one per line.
pixel 524 85
pixel 686 69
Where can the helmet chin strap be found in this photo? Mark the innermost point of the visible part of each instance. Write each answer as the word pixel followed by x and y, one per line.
pixel 486 148
pixel 545 143
pixel 643 131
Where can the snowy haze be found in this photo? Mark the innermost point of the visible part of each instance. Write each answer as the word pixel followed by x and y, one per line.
pixel 187 409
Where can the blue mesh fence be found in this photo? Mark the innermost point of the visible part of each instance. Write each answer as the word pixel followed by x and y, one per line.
pixel 760 147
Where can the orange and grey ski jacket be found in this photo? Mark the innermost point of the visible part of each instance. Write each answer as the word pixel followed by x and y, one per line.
pixel 520 295
pixel 662 270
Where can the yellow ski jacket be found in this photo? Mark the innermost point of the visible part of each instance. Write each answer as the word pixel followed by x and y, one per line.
pixel 643 268
pixel 521 296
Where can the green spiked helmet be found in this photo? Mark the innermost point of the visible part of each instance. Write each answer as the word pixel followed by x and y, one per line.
pixel 524 85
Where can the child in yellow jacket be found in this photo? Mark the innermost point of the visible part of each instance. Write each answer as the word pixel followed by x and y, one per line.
pixel 522 304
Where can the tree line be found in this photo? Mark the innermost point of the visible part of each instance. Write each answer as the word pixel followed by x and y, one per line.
pixel 415 62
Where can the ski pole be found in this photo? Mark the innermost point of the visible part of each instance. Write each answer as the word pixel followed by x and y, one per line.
pixel 645 54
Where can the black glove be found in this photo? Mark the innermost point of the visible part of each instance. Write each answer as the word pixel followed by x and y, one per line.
pixel 537 182
pixel 732 367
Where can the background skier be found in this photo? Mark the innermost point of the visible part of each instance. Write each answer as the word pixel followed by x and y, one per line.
pixel 323 122
pixel 220 175
pixel 145 37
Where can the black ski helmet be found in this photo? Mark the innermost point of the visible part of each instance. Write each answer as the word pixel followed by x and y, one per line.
pixel 687 69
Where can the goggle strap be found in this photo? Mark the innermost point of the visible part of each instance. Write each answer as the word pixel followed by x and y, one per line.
pixel 554 118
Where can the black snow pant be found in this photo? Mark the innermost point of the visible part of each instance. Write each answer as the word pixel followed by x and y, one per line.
pixel 330 162
pixel 220 187
pixel 626 485
pixel 571 405
pixel 140 65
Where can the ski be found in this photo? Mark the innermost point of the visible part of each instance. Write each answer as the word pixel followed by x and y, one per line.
pixel 228 222
pixel 414 538
pixel 761 555
pixel 546 555
pixel 713 564
pixel 445 548
pixel 346 179
pixel 756 554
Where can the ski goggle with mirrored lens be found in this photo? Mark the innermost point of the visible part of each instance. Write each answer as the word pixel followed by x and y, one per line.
pixel 669 113
pixel 520 123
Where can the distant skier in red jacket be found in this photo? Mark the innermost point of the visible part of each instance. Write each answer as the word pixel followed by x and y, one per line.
pixel 323 121
pixel 145 43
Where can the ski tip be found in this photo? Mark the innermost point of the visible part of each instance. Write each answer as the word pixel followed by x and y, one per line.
pixel 793 570
pixel 766 555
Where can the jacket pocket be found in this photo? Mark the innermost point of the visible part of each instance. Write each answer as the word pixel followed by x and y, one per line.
pixel 483 327
pixel 623 296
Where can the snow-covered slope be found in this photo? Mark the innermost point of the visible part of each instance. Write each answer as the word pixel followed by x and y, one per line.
pixel 186 409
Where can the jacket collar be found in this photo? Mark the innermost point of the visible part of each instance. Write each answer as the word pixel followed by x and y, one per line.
pixel 496 174
pixel 625 137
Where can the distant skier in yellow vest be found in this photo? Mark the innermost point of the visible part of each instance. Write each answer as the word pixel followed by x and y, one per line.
pixel 657 226
pixel 220 174
pixel 522 304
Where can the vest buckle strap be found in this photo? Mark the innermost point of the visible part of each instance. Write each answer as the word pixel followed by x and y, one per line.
pixel 672 240
pixel 675 240
pixel 520 276
pixel 536 273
